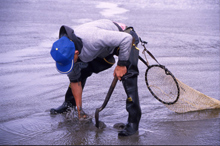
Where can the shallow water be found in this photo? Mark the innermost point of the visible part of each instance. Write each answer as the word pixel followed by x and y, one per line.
pixel 182 34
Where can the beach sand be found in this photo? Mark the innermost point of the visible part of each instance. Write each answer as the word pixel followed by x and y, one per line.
pixel 182 35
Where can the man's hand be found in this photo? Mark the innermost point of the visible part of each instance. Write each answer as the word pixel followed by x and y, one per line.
pixel 120 71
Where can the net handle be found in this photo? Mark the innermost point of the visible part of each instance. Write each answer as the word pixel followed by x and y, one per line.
pixel 143 43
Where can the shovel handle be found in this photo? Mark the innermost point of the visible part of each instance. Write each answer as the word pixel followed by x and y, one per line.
pixel 114 82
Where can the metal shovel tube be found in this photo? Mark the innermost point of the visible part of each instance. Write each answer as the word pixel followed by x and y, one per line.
pixel 114 82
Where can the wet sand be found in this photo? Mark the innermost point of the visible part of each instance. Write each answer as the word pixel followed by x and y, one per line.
pixel 184 37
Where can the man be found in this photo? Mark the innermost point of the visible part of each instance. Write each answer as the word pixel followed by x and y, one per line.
pixel 89 49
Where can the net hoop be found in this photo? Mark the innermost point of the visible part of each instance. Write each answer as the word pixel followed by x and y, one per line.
pixel 167 72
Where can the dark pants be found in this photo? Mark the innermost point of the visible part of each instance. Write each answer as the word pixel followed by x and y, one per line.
pixel 95 66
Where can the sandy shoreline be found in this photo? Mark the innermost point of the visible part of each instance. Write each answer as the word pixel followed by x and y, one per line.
pixel 185 38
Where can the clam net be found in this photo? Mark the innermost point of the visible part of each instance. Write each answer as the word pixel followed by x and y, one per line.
pixel 192 100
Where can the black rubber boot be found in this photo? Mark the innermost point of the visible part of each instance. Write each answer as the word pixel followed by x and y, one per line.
pixel 132 106
pixel 129 81
pixel 130 129
pixel 68 103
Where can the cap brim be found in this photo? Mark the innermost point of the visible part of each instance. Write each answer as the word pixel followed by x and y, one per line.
pixel 65 69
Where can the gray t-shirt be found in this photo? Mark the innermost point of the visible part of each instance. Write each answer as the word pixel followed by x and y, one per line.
pixel 100 38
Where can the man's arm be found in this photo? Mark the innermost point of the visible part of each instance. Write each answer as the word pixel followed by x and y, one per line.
pixel 77 93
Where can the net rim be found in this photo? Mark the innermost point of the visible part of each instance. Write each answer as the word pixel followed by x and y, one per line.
pixel 168 73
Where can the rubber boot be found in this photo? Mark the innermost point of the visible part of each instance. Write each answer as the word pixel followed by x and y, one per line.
pixel 132 107
pixel 129 81
pixel 68 103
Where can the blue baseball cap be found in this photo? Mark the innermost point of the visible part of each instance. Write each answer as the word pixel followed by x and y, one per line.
pixel 62 52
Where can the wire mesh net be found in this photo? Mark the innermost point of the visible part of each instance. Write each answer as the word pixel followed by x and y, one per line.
pixel 162 84
pixel 192 100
